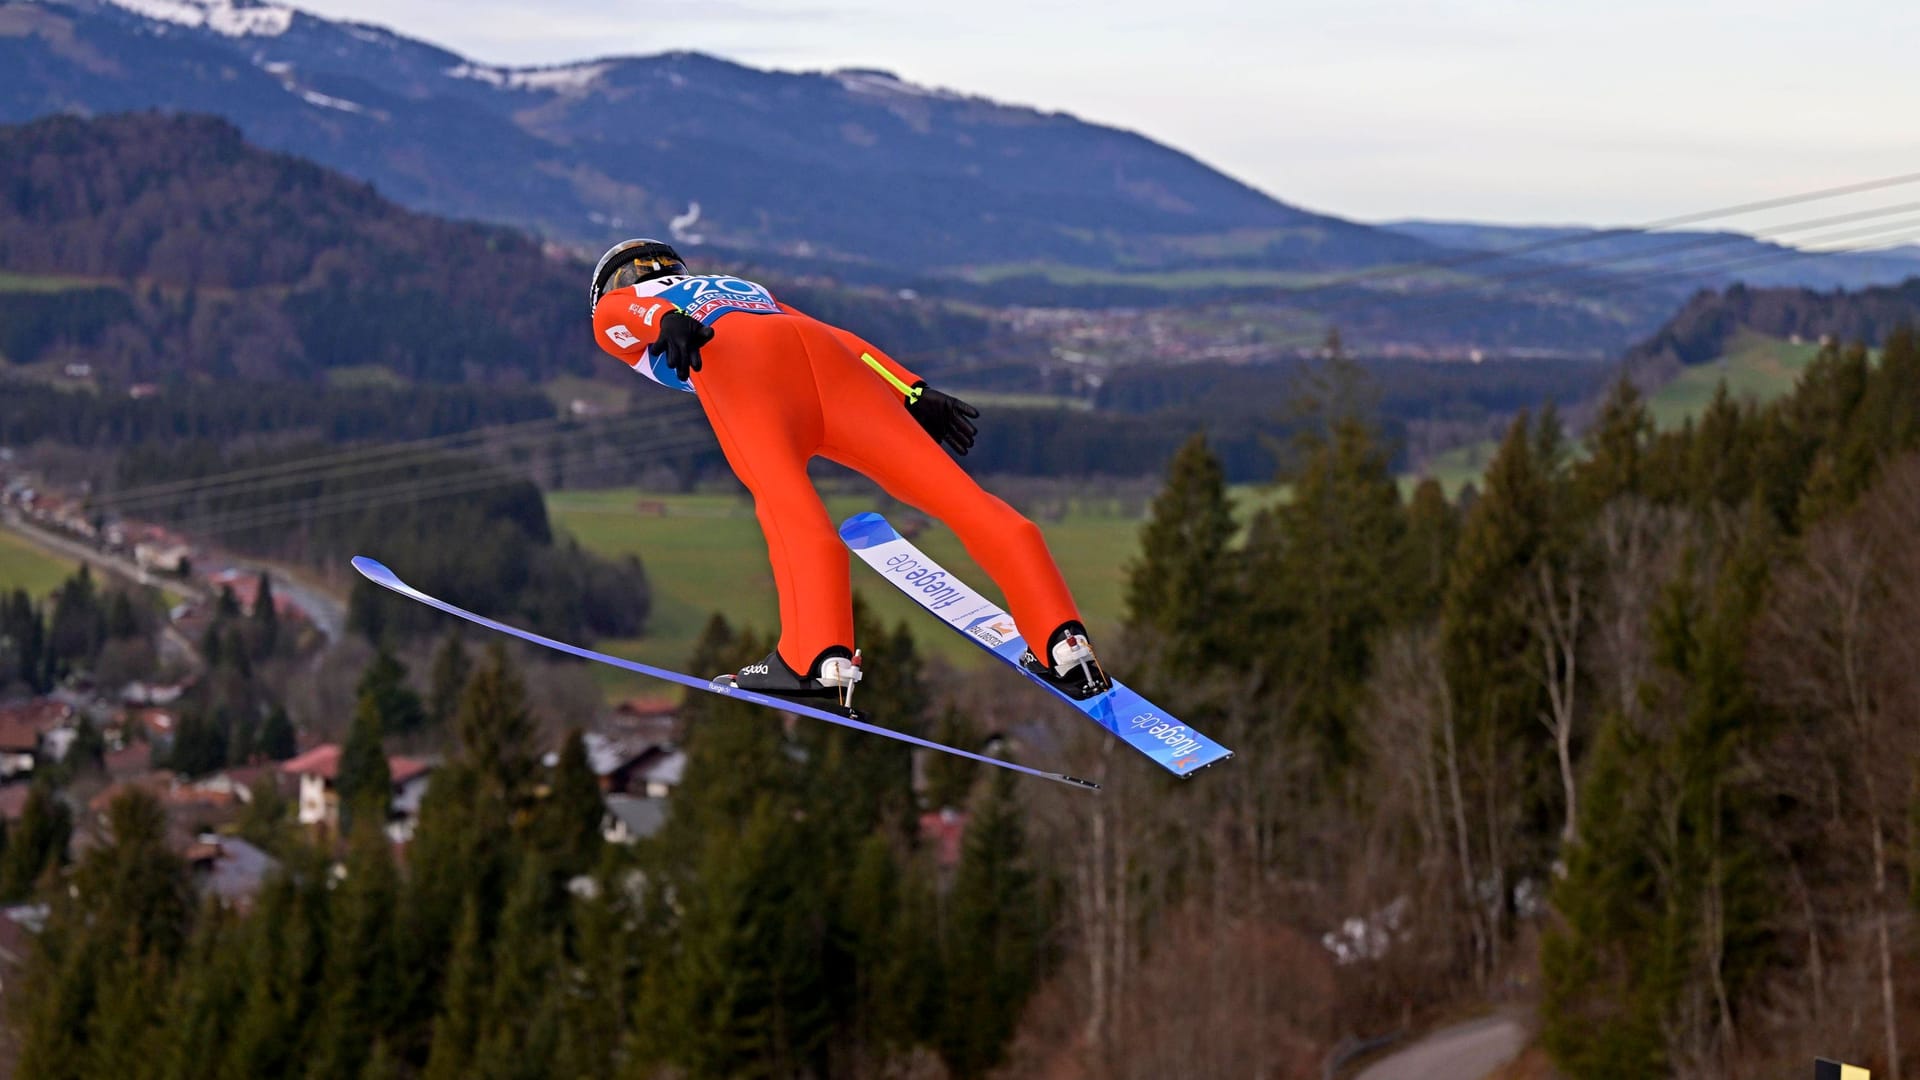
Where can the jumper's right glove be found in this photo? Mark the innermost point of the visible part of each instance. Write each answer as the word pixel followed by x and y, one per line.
pixel 681 336
pixel 948 419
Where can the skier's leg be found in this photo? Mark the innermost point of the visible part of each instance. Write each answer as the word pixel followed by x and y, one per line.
pixel 760 396
pixel 868 430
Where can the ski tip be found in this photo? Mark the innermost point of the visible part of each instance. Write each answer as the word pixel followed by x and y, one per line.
pixel 865 530
pixel 376 571
pixel 1076 781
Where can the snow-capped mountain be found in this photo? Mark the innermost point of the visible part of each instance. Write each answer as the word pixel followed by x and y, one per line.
pixel 857 164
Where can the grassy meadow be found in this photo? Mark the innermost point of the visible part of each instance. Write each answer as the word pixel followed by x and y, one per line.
pixel 24 566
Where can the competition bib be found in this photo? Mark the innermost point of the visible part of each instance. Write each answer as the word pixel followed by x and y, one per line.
pixel 708 296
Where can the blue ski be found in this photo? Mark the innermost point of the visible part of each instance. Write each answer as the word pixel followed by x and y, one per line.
pixel 1136 721
pixel 377 573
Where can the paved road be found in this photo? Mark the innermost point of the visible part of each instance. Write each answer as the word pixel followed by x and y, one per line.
pixel 1466 1051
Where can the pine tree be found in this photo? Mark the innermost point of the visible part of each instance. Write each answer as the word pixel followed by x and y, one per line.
pixel 992 941
pixel 1427 548
pixel 742 994
pixel 285 959
pixel 950 779
pixel 566 824
pixel 266 620
pixel 463 1006
pixel 451 669
pixel 384 686
pixel 1617 447
pixel 1182 580
pixel 1320 583
pixel 364 780
pixel 277 741
pixel 363 981
pixel 135 888
pixel 521 1035
pixel 38 841
pixel 496 731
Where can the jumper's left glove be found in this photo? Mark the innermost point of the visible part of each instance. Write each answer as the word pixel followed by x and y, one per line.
pixel 681 336
pixel 948 419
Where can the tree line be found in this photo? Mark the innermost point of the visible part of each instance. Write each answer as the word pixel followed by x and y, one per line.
pixel 786 921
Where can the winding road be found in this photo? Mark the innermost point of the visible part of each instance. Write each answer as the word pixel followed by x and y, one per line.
pixel 1466 1051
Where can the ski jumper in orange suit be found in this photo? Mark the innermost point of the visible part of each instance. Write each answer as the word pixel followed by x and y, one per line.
pixel 781 388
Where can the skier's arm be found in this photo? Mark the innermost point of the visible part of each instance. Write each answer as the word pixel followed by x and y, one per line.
pixel 651 336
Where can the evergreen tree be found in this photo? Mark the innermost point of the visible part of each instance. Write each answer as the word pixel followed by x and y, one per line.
pixel 1617 447
pixel 1427 549
pixel 451 669
pixel 364 780
pixel 521 1036
pixel 496 731
pixel 134 887
pixel 566 825
pixel 742 993
pixel 463 1008
pixel 79 624
pixel 122 621
pixel 23 638
pixel 38 841
pixel 363 990
pixel 277 741
pixel 1183 577
pixel 285 958
pixel 992 942
pixel 383 687
pixel 1320 580
pixel 266 620
pixel 950 779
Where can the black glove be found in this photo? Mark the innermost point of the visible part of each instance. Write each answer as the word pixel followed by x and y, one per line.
pixel 681 336
pixel 948 419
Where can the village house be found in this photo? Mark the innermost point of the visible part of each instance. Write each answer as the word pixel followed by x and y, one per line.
pixel 32 732
pixel 660 774
pixel 631 818
pixel 319 803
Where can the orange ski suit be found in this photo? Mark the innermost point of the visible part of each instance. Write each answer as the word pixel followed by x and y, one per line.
pixel 781 388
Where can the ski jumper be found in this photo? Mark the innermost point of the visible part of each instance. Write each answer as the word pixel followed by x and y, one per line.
pixel 781 388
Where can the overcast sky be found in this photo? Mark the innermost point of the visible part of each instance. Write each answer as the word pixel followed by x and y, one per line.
pixel 1567 111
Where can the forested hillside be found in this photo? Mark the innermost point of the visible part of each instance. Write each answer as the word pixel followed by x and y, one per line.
pixel 152 246
pixel 1629 728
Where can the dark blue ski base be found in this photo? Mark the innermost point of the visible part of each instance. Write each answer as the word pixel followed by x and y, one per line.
pixel 1133 719
pixel 377 573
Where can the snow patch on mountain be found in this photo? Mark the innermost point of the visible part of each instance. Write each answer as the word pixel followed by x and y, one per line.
pixel 221 16
pixel 567 78
pixel 314 97
pixel 863 81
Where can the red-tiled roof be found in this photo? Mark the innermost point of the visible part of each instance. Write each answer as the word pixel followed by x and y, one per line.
pixel 43 715
pixel 18 736
pixel 324 761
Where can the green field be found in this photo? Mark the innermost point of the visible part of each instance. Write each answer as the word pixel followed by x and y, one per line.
pixel 365 376
pixel 704 553
pixel 44 283
pixel 1756 367
pixel 24 566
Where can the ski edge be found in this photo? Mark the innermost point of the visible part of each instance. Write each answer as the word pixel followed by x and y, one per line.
pixel 378 573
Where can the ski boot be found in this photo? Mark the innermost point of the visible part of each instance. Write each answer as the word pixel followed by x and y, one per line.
pixel 1074 670
pixel 832 675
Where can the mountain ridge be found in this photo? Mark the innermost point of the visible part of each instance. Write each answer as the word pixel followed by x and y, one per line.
pixel 888 171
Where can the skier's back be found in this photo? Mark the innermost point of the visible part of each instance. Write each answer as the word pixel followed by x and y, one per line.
pixel 781 388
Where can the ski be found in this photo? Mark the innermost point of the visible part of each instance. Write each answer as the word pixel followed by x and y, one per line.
pixel 377 573
pixel 1133 719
